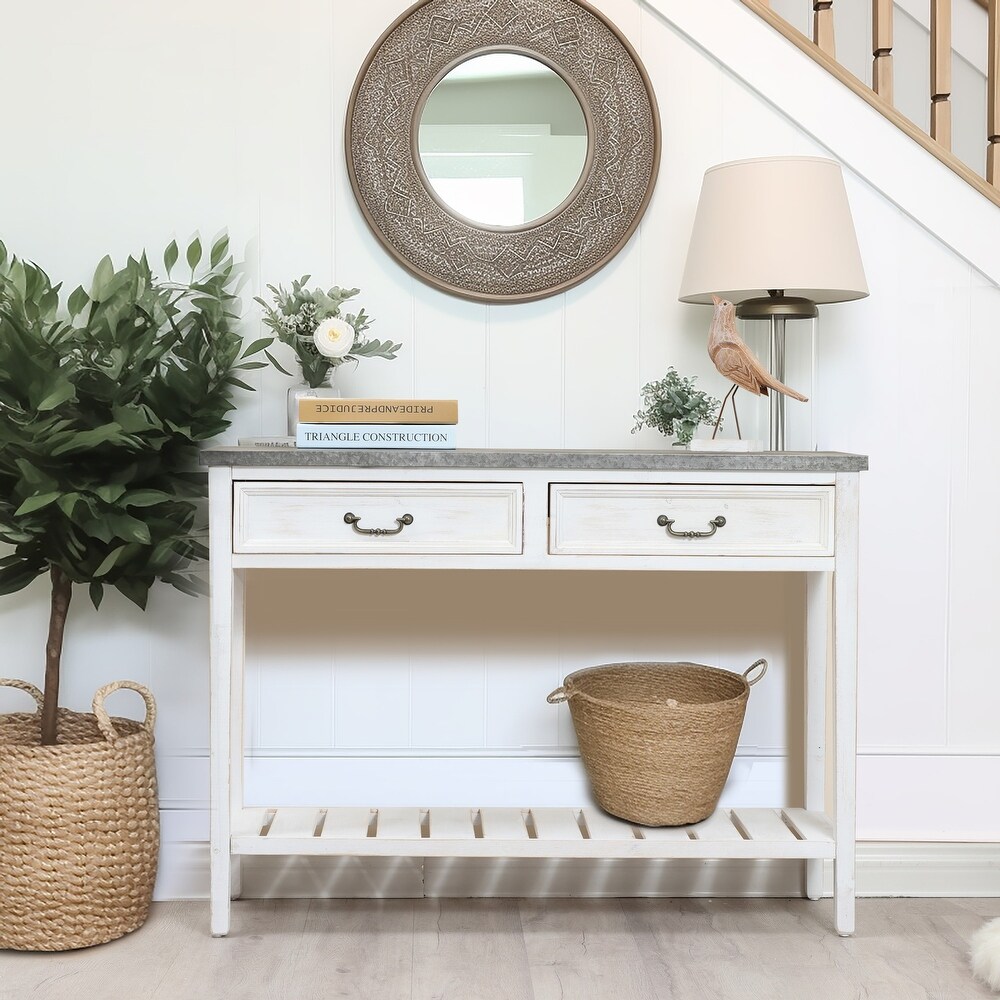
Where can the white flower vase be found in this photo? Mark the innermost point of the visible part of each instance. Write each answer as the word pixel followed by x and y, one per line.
pixel 301 391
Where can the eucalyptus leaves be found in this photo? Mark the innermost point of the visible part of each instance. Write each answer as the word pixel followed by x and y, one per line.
pixel 309 321
pixel 103 407
pixel 673 406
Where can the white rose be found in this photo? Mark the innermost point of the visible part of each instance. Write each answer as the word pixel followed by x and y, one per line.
pixel 334 337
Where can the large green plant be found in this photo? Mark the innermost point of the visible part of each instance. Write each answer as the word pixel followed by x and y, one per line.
pixel 102 409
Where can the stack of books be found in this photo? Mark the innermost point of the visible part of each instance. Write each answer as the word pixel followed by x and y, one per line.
pixel 377 423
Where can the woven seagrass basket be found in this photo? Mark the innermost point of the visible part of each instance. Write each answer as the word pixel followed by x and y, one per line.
pixel 657 739
pixel 79 825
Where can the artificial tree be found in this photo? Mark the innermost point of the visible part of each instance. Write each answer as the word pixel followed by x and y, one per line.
pixel 103 406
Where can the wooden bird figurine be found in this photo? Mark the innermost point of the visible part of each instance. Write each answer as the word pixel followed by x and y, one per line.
pixel 730 354
pixel 732 357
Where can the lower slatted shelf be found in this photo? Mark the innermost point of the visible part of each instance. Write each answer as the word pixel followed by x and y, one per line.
pixel 528 833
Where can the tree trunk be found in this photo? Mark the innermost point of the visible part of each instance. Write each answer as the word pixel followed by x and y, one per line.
pixel 62 591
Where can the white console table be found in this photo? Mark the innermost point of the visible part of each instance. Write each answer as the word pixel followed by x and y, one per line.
pixel 539 510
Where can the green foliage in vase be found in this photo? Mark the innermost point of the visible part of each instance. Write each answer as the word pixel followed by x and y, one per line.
pixel 300 316
pixel 103 406
pixel 673 406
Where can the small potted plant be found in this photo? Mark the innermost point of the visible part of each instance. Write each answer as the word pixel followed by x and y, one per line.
pixel 322 336
pixel 674 407
pixel 103 407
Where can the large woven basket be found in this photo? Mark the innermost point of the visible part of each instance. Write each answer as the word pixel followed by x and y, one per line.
pixel 79 826
pixel 657 739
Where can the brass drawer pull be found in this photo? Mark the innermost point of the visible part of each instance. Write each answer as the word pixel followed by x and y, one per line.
pixel 665 522
pixel 401 522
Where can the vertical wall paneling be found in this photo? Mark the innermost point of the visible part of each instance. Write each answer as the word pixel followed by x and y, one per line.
pixel 602 319
pixel 525 377
pixel 387 288
pixel 599 409
pixel 289 660
pixel 460 665
pixel 449 342
pixel 974 632
pixel 689 90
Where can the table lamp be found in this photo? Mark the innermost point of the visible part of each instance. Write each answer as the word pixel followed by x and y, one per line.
pixel 775 236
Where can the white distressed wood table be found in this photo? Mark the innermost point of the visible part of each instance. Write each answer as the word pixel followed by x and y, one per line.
pixel 540 510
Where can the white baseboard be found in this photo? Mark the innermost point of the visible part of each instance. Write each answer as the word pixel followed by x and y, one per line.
pixel 883 869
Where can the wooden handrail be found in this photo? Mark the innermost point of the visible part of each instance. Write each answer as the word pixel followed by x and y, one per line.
pixel 986 187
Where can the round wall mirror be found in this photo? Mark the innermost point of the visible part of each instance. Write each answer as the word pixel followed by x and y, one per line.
pixel 502 140
pixel 502 150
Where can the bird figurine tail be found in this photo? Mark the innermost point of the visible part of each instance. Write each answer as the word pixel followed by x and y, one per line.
pixel 734 359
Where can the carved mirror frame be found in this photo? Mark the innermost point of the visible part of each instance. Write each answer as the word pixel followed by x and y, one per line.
pixel 493 263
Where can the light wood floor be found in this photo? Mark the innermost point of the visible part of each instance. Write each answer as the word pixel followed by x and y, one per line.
pixel 502 949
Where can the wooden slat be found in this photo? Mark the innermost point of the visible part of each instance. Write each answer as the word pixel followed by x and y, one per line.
pixel 249 822
pixel 763 825
pixel 941 72
pixel 346 823
pixel 601 826
pixel 665 833
pixel 556 824
pixel 811 826
pixel 451 824
pixel 398 824
pixel 718 826
pixel 882 84
pixel 503 824
pixel 823 34
pixel 550 833
pixel 993 100
pixel 294 823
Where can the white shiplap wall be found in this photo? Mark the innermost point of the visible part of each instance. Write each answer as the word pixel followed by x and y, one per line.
pixel 153 120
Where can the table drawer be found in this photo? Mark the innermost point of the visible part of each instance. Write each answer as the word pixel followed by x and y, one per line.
pixel 442 517
pixel 611 519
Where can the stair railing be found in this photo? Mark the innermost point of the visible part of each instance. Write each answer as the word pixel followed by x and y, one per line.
pixel 822 48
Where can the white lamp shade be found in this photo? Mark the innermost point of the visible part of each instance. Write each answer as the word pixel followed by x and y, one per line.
pixel 780 222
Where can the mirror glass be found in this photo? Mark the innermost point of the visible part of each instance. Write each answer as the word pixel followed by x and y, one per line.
pixel 502 139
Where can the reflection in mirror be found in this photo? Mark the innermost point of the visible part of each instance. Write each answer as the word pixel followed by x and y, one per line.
pixel 502 139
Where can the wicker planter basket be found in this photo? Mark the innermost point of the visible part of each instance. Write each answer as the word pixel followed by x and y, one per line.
pixel 79 826
pixel 657 739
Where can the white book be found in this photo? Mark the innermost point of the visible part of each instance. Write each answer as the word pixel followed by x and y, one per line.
pixel 267 442
pixel 375 436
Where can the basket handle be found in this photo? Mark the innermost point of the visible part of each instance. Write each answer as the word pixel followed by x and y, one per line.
pixel 756 663
pixel 558 696
pixel 8 682
pixel 104 720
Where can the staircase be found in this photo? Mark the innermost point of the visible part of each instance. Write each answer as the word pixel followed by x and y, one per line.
pixel 822 48
pixel 861 129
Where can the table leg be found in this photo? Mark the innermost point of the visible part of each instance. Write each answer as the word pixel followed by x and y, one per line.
pixel 236 703
pixel 845 637
pixel 221 583
pixel 818 605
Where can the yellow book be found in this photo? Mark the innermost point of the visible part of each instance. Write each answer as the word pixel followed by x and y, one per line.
pixel 378 411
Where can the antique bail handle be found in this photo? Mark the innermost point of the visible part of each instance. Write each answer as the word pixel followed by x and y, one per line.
pixel 401 522
pixel 665 522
